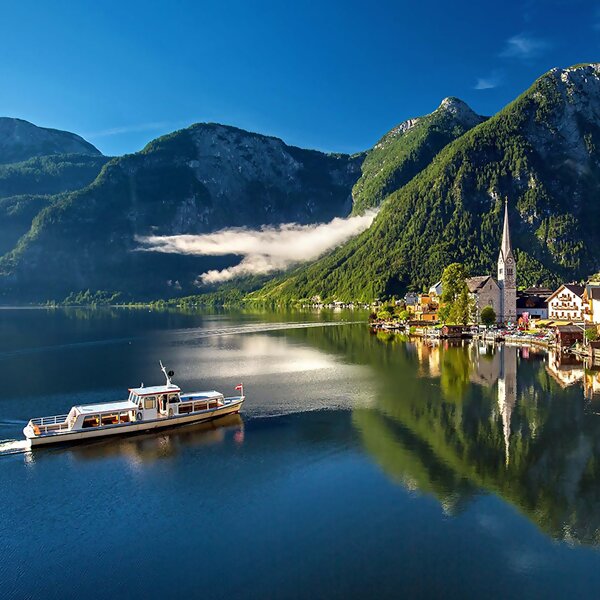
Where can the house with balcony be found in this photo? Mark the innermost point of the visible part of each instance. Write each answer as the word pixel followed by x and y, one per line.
pixel 591 303
pixel 566 303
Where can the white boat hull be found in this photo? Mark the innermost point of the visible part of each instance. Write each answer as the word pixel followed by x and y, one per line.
pixel 69 436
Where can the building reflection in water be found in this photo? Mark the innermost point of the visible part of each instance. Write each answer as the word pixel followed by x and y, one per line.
pixel 453 420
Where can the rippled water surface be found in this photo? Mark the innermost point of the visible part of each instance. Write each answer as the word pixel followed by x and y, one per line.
pixel 361 466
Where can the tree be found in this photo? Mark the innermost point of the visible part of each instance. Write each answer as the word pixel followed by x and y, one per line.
pixel 453 282
pixel 462 308
pixel 404 315
pixel 384 314
pixel 488 316
pixel 458 304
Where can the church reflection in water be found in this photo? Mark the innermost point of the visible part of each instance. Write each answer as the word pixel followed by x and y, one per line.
pixel 513 421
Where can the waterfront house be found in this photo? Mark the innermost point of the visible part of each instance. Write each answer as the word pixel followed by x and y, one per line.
pixel 566 303
pixel 427 308
pixel 568 335
pixel 591 303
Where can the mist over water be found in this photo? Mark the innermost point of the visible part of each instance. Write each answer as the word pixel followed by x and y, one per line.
pixel 264 251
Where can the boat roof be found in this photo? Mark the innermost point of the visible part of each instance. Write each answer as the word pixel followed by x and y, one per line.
pixel 157 389
pixel 89 409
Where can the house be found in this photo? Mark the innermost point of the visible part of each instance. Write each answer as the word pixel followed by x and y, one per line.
pixel 452 331
pixel 486 292
pixel 427 308
pixel 532 305
pixel 411 298
pixel 591 303
pixel 566 303
pixel 436 289
pixel 568 335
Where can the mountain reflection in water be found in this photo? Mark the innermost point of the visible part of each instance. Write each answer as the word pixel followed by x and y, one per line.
pixel 513 421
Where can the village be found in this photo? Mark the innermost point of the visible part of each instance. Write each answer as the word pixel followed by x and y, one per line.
pixel 494 309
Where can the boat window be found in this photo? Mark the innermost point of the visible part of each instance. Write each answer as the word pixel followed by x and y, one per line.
pixel 124 417
pixel 92 421
pixel 173 398
pixel 149 402
pixel 110 419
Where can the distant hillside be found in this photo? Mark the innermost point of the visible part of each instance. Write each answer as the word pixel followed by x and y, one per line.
pixel 21 140
pixel 541 152
pixel 408 149
pixel 196 180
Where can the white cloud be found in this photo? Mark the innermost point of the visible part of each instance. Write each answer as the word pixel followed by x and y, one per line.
pixel 264 251
pixel 486 83
pixel 523 46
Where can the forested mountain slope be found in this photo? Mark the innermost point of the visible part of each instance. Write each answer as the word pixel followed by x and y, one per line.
pixel 541 152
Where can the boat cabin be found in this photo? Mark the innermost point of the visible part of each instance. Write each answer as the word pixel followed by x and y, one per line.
pixel 153 402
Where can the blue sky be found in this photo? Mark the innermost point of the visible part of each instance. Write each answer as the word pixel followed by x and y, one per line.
pixel 329 75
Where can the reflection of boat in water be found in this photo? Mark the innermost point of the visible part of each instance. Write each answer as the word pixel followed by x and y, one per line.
pixel 146 409
pixel 150 446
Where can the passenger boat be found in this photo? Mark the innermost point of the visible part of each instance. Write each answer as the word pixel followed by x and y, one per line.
pixel 147 408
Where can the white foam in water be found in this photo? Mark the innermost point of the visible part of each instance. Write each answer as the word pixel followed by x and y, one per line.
pixel 14 446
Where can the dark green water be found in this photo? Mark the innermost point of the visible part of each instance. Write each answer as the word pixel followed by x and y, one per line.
pixel 362 466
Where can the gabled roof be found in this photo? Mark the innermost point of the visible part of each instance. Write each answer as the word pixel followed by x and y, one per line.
pixel 476 283
pixel 575 288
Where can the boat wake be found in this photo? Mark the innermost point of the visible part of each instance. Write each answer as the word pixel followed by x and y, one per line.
pixel 260 328
pixel 8 447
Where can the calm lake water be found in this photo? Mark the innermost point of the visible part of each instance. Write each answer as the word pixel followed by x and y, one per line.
pixel 362 466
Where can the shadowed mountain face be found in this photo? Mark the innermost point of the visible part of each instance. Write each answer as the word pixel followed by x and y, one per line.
pixel 197 180
pixel 21 140
pixel 540 153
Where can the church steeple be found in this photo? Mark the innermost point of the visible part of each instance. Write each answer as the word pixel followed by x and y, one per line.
pixel 507 274
pixel 506 248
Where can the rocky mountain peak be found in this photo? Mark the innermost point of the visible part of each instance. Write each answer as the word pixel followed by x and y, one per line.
pixel 21 140
pixel 460 110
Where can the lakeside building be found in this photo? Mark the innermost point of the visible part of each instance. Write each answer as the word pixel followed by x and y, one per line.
pixel 507 275
pixel 566 303
pixel 486 292
pixel 532 305
pixel 591 303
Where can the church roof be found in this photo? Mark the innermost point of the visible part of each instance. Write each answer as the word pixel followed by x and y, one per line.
pixel 477 283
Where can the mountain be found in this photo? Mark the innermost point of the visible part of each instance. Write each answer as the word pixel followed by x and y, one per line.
pixel 540 152
pixel 407 149
pixel 21 140
pixel 196 180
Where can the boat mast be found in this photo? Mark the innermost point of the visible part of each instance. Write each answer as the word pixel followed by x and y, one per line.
pixel 167 375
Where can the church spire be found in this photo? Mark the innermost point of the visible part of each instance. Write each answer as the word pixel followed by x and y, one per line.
pixel 506 248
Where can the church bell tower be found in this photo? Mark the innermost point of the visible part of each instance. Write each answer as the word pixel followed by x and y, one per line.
pixel 507 275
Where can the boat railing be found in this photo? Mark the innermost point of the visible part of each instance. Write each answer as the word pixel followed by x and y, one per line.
pixel 46 424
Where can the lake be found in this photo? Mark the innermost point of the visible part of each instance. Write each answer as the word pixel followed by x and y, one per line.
pixel 361 466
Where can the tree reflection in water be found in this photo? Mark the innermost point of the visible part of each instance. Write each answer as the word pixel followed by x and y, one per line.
pixel 452 421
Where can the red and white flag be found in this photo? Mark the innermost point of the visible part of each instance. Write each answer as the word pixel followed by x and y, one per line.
pixel 239 387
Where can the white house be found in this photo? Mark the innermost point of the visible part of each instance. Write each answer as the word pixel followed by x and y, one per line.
pixel 436 289
pixel 566 303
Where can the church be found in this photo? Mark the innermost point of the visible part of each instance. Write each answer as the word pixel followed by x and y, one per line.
pixel 500 294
